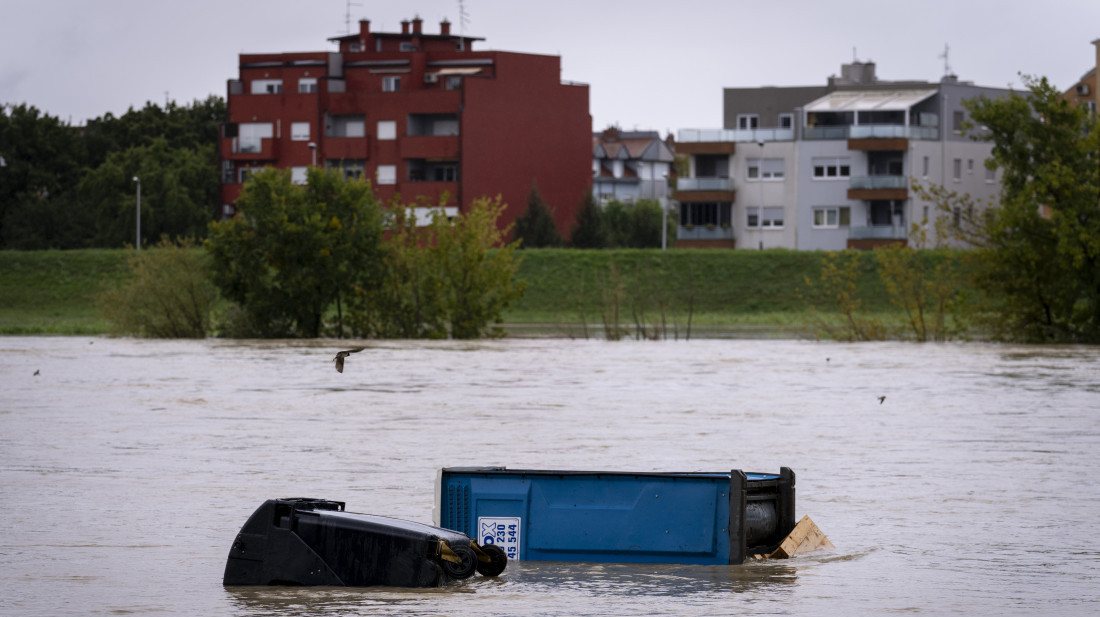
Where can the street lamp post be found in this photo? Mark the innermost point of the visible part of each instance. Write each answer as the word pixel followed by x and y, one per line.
pixel 760 179
pixel 664 216
pixel 137 243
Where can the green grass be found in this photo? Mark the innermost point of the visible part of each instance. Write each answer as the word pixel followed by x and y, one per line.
pixel 53 292
pixel 730 285
pixel 746 292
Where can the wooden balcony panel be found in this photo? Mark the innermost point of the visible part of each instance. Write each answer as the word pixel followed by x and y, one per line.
pixel 706 147
pixel 877 194
pixel 877 144
pixel 706 196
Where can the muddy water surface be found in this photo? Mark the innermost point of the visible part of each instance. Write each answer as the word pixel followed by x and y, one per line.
pixel 127 467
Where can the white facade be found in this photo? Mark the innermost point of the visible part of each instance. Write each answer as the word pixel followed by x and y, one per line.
pixel 841 176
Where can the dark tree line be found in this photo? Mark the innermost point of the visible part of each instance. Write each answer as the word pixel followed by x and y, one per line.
pixel 67 187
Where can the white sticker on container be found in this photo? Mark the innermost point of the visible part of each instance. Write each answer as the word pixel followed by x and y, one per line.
pixel 503 531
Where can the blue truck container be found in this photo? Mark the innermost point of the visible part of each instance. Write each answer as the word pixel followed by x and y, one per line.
pixel 608 516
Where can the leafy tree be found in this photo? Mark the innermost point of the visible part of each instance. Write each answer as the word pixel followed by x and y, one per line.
pixel 633 225
pixel 71 187
pixel 536 226
pixel 836 290
pixel 1038 252
pixel 178 188
pixel 167 296
pixel 477 267
pixel 589 231
pixel 294 251
pixel 408 302
pixel 42 162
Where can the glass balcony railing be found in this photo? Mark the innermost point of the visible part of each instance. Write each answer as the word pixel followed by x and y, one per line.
pixel 887 131
pixel 865 131
pixel 878 182
pixel 727 135
pixel 878 232
pixel 704 184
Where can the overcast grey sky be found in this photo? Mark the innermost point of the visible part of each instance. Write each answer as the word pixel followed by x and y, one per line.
pixel 650 64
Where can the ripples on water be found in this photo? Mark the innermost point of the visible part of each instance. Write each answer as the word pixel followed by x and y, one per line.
pixel 127 466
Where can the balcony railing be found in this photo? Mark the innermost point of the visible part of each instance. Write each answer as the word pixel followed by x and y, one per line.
pixel 704 232
pixel 704 184
pixel 740 135
pixel 864 131
pixel 887 131
pixel 878 232
pixel 878 182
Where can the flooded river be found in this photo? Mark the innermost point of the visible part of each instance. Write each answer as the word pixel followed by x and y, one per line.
pixel 127 467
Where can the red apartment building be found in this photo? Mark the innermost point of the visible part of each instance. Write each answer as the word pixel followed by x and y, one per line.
pixel 421 115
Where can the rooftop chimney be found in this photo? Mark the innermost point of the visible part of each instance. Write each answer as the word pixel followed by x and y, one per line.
pixel 417 22
pixel 364 27
pixel 445 27
pixel 404 26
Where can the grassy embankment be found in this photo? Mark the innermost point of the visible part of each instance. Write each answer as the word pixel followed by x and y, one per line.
pixel 569 292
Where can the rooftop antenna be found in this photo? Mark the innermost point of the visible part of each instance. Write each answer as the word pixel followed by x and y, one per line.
pixel 463 17
pixel 347 15
pixel 946 66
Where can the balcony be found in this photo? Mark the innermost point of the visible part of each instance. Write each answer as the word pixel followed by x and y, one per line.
pixel 249 148
pixel 429 147
pixel 878 187
pixel 346 148
pixel 704 233
pixel 705 189
pixel 723 141
pixel 866 238
pixel 731 135
pixel 871 132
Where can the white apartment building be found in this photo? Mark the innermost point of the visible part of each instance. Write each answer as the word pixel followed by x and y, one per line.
pixel 830 167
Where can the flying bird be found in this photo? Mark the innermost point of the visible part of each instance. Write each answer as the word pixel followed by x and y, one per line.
pixel 881 399
pixel 340 355
pixel 36 371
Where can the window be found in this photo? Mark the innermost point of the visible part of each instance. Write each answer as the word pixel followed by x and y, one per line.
pixel 391 83
pixel 307 85
pixel 771 218
pixel 970 166
pixel 832 217
pixel 786 121
pixel 387 174
pixel 990 175
pixel 453 82
pixel 267 86
pixel 387 130
pixel 925 167
pixel 771 169
pixel 748 121
pixel 831 167
pixel 299 131
pixel 244 173
pixel 957 119
pixel 705 214
pixel 252 134
pixel 298 175
pixel 445 173
pixel 345 126
pixel 958 169
pixel 407 46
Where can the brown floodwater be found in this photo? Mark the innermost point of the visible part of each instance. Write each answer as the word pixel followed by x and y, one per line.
pixel 127 467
